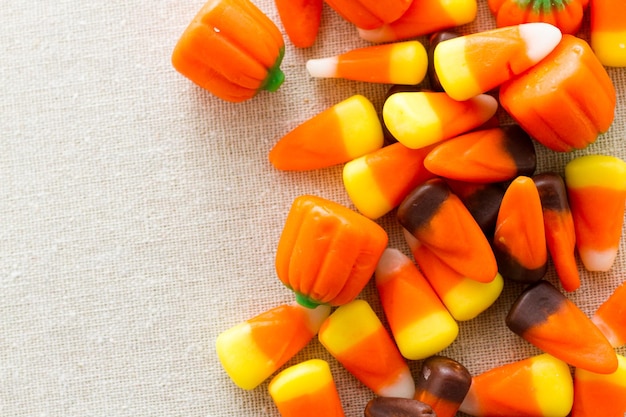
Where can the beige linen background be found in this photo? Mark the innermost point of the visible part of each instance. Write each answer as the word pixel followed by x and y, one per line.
pixel 139 215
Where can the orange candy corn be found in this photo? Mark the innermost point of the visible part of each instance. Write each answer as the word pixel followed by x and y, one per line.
pixel 482 200
pixel 443 384
pixel 476 63
pixel 610 317
pixel 489 155
pixel 393 63
pixel 519 241
pixel 422 18
pixel 375 182
pixel 420 323
pixel 608 31
pixel 464 298
pixel 547 319
pixel 418 119
pixel 596 187
pixel 566 100
pixel 369 14
pixel 232 50
pixel 538 386
pixel 559 228
pixel 301 20
pixel 439 220
pixel 345 131
pixel 355 336
pixel 600 394
pixel 306 390
pixel 327 253
pixel 251 351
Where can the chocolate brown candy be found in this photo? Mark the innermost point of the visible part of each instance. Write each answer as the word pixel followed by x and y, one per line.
pixel 482 201
pixel 442 384
pixel 397 407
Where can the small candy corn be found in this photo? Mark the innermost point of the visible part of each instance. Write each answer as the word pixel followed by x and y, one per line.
pixel 610 317
pixel 253 350
pixel 345 131
pixel 397 407
pixel 422 18
pixel 559 228
pixel 420 323
pixel 463 297
pixel 327 253
pixel 393 63
pixel 600 394
pixel 596 187
pixel 375 183
pixel 443 384
pixel 355 336
pixel 440 221
pixel 473 64
pixel 482 200
pixel 489 155
pixel 306 390
pixel 608 31
pixel 301 20
pixel 519 241
pixel 547 319
pixel 537 386
pixel 418 119
pixel 369 14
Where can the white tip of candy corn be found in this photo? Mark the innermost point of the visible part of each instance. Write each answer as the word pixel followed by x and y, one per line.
pixel 378 35
pixel 388 262
pixel 540 38
pixel 594 260
pixel 316 316
pixel 403 387
pixel 322 67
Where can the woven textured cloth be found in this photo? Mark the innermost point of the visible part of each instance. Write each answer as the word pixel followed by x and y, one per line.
pixel 139 215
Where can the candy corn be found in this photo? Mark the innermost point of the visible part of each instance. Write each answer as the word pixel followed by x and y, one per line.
pixel 473 64
pixel 422 18
pixel 482 200
pixel 608 31
pixel 397 407
pixel 345 131
pixel 596 187
pixel 327 253
pixel 253 350
pixel 559 228
pixel 420 323
pixel 440 221
pixel 434 40
pixel 369 14
pixel 393 63
pixel 489 155
pixel 546 318
pixel 301 20
pixel 443 384
pixel 375 183
pixel 600 394
pixel 306 390
pixel 610 317
pixel 418 119
pixel 464 298
pixel 519 241
pixel 355 336
pixel 537 386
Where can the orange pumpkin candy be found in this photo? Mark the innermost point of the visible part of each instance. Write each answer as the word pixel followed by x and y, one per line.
pixel 567 15
pixel 232 49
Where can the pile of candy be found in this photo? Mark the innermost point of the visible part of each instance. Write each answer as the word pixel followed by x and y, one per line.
pixel 473 210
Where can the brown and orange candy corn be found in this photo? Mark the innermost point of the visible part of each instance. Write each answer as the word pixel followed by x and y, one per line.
pixel 482 200
pixel 443 384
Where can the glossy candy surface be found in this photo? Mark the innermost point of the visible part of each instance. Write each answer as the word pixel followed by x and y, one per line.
pixel 440 221
pixel 418 119
pixel 610 317
pixel 473 64
pixel 600 394
pixel 608 31
pixel 567 15
pixel 301 20
pixel 538 386
pixel 344 131
pixel 482 200
pixel 420 323
pixel 443 384
pixel 397 407
pixel 327 252
pixel 434 40
pixel 355 336
pixel 393 63
pixel 251 351
pixel 596 187
pixel 306 389
pixel 544 317
pixel 369 14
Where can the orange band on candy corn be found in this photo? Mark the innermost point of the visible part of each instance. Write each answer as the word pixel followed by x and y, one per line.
pixel 610 317
pixel 369 14
pixel 600 394
pixel 608 31
pixel 301 20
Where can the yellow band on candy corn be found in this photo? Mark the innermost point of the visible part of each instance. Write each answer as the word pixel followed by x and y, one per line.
pixel 408 63
pixel 363 189
pixel 596 170
pixel 306 377
pixel 469 297
pixel 426 337
pixel 348 336
pixel 553 398
pixel 610 48
pixel 360 125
